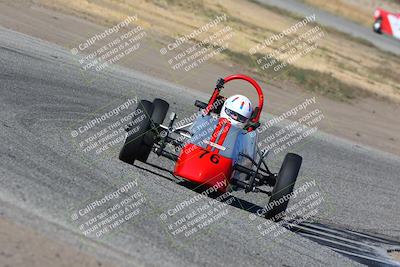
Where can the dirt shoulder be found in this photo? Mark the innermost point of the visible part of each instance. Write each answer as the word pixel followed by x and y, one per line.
pixel 22 246
pixel 364 120
pixel 331 63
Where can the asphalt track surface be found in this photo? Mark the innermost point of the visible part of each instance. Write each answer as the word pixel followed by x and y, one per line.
pixel 384 42
pixel 45 177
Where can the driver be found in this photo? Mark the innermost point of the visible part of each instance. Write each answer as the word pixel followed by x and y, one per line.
pixel 237 109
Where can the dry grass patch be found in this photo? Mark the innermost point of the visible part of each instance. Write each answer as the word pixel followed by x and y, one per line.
pixel 342 67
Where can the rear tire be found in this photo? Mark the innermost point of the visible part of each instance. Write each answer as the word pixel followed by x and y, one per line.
pixel 284 185
pixel 134 147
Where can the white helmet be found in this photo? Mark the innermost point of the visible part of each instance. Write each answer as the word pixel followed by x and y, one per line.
pixel 237 109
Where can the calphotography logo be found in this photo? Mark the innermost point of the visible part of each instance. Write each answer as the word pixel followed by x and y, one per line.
pixel 190 51
pixel 114 112
pixel 196 214
pixel 279 51
pixel 276 37
pixel 195 33
pixel 106 129
pixel 290 128
pixel 307 199
pixel 106 214
pixel 107 32
pixel 111 46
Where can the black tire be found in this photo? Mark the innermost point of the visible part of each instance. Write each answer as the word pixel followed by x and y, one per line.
pixel 160 110
pixel 134 146
pixel 377 27
pixel 284 186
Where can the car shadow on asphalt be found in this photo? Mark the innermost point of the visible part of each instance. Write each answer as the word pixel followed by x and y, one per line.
pixel 237 202
pixel 365 248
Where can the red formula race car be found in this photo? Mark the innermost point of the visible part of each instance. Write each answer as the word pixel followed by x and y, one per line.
pixel 218 148
pixel 387 22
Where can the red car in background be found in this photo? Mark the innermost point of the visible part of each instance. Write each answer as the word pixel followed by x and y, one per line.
pixel 387 22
